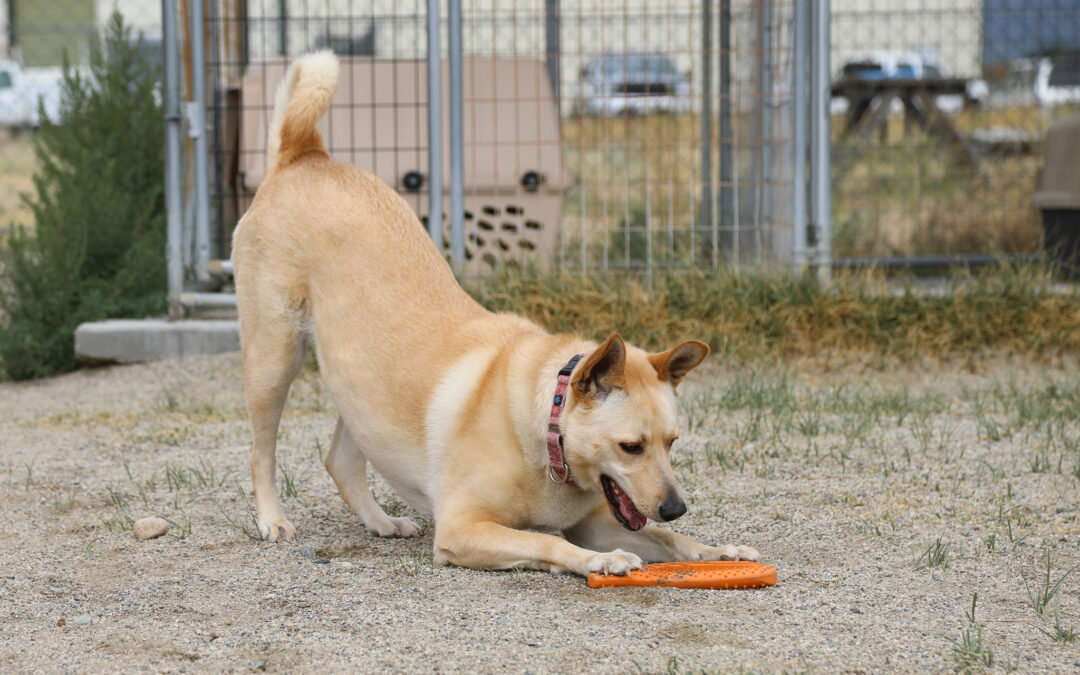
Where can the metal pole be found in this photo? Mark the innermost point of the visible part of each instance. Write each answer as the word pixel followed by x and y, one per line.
pixel 727 148
pixel 434 73
pixel 174 259
pixel 283 33
pixel 551 34
pixel 802 21
pixel 707 216
pixel 457 144
pixel 821 92
pixel 197 120
pixel 766 166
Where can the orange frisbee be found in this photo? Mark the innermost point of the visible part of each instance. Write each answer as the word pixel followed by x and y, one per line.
pixel 719 574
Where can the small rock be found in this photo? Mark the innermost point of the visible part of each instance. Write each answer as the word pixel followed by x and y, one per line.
pixel 322 561
pixel 150 528
pixel 61 622
pixel 307 552
pixel 83 620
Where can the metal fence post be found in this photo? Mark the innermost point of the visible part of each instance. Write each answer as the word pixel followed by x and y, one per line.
pixel 727 133
pixel 551 37
pixel 821 183
pixel 434 92
pixel 798 141
pixel 457 145
pixel 174 260
pixel 197 122
pixel 707 216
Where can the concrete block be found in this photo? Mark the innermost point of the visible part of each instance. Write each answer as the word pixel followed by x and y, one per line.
pixel 138 340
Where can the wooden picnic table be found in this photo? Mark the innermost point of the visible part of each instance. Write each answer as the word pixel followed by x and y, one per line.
pixel 869 102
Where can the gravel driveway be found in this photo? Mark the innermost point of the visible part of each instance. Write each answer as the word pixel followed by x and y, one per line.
pixel 885 497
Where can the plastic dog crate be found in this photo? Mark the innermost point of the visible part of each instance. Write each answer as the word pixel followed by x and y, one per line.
pixel 515 177
pixel 1058 196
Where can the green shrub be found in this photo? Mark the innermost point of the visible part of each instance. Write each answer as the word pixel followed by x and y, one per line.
pixel 97 248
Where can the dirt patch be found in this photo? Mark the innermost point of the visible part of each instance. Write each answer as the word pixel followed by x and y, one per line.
pixel 886 500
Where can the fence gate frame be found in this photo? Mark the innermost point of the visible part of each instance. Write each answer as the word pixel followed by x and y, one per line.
pixel 191 268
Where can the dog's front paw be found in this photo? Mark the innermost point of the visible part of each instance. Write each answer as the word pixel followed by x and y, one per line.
pixel 395 527
pixel 276 529
pixel 618 562
pixel 729 552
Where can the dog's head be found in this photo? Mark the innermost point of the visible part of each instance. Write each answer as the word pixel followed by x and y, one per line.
pixel 621 422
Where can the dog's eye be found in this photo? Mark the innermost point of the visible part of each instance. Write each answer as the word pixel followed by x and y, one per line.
pixel 632 448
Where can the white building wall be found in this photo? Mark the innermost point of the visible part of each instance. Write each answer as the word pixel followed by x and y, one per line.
pixel 949 29
pixel 517 28
pixel 144 16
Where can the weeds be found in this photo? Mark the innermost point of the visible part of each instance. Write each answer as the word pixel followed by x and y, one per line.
pixel 248 524
pixel 1060 633
pixel 290 482
pixel 1042 593
pixel 181 530
pixel 935 555
pixel 760 315
pixel 194 478
pixel 970 651
pixel 414 564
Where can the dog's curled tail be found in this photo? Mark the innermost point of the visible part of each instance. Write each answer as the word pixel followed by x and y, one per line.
pixel 302 98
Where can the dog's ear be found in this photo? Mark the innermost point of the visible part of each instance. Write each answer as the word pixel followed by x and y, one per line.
pixel 602 370
pixel 673 365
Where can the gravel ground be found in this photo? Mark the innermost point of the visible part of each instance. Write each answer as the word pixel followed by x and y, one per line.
pixel 842 477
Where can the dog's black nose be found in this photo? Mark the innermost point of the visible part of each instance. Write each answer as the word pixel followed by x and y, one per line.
pixel 672 508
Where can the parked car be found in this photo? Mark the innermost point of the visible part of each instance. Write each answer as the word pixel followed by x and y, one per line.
pixel 21 91
pixel 889 65
pixel 1045 81
pixel 613 84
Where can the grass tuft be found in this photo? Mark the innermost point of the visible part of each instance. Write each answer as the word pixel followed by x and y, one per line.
pixel 935 555
pixel 1042 593
pixel 970 651
pixel 1060 633
pixel 760 315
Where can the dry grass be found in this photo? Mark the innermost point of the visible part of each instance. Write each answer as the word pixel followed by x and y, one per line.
pixel 17 166
pixel 910 194
pixel 906 195
pixel 753 316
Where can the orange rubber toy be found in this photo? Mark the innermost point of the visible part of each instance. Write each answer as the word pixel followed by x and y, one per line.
pixel 719 575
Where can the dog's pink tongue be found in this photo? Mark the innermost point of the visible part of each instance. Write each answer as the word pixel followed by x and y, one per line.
pixel 636 518
pixel 629 511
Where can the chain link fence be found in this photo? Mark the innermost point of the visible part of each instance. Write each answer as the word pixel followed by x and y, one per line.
pixel 597 135
pixel 626 135
pixel 940 110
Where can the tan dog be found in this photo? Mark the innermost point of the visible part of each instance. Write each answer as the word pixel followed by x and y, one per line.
pixel 450 403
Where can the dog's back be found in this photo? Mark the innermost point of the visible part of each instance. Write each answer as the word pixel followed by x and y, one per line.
pixel 325 243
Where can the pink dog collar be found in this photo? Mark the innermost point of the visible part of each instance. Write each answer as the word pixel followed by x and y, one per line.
pixel 559 470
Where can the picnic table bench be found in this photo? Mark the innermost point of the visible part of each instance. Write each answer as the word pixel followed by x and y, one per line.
pixel 869 101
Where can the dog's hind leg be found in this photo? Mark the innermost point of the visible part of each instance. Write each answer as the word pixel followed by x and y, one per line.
pixel 348 467
pixel 273 355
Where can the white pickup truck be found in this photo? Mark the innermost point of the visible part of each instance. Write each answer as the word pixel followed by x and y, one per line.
pixel 21 90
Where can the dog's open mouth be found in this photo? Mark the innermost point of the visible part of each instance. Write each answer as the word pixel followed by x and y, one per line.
pixel 622 506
